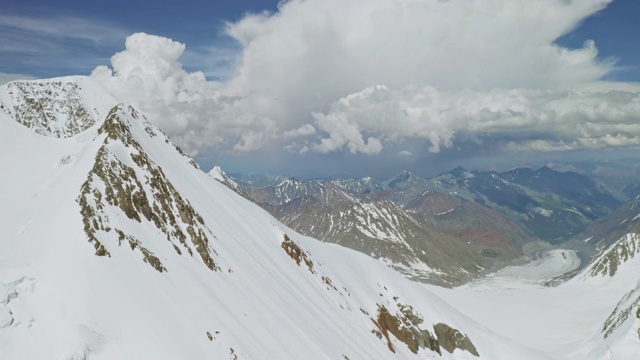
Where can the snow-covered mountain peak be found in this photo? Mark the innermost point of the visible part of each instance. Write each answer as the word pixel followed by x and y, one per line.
pixel 404 175
pixel 404 180
pixel 217 173
pixel 61 107
pixel 126 181
pixel 365 185
pixel 221 176
pixel 290 182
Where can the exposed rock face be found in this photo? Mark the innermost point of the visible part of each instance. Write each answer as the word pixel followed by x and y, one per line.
pixel 50 108
pixel 301 256
pixel 137 187
pixel 627 309
pixel 608 262
pixel 404 326
pixel 297 254
pixel 615 239
pixel 451 339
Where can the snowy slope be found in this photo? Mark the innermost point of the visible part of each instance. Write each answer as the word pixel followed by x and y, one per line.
pixel 116 246
pixel 594 316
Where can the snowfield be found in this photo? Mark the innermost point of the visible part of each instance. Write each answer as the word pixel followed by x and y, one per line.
pixel 115 246
pixel 565 321
pixel 546 266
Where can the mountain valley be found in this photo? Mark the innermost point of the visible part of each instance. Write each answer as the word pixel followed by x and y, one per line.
pixel 446 230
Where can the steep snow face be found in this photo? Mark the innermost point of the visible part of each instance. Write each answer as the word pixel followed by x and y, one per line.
pixel 217 173
pixel 105 255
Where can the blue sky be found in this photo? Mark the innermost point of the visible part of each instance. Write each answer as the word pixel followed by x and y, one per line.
pixel 290 92
pixel 197 23
pixel 615 30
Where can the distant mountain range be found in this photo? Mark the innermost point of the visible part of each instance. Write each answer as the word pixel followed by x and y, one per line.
pixel 447 229
pixel 551 205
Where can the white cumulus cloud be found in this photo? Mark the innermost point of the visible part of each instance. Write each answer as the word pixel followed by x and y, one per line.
pixel 343 133
pixel 335 75
pixel 189 108
pixel 325 49
pixel 557 120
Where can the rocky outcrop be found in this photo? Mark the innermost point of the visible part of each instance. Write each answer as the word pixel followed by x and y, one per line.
pixel 607 263
pixel 451 339
pixel 52 108
pixel 297 254
pixel 404 326
pixel 138 187
pixel 627 309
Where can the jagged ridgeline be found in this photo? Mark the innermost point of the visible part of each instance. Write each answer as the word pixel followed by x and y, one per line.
pixel 136 186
